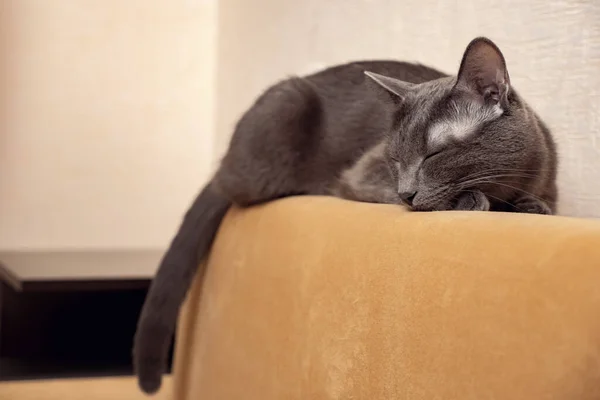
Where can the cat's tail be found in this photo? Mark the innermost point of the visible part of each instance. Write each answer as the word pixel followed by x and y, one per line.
pixel 168 289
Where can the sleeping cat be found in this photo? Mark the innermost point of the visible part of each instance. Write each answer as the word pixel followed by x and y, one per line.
pixel 373 131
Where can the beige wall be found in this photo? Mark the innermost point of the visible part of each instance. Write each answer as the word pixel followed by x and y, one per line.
pixel 552 48
pixel 107 119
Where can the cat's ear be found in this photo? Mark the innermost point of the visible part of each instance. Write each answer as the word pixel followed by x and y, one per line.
pixel 483 72
pixel 396 87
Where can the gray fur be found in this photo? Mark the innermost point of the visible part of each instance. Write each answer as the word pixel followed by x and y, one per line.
pixel 404 133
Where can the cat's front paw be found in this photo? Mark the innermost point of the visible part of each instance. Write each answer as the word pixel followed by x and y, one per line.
pixel 472 201
pixel 532 205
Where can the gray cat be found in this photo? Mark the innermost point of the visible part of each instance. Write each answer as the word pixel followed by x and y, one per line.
pixel 373 131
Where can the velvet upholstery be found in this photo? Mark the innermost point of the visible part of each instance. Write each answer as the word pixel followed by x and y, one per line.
pixel 325 299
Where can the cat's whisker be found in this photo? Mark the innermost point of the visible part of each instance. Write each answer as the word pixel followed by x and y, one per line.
pixel 498 174
pixel 489 177
pixel 534 172
pixel 515 188
pixel 497 171
pixel 523 191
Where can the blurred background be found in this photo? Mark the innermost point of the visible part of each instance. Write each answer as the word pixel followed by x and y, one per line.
pixel 114 113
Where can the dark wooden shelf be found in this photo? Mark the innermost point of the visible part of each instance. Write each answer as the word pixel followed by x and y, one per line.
pixel 21 268
pixel 61 329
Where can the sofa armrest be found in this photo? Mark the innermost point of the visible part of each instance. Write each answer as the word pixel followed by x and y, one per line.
pixel 321 298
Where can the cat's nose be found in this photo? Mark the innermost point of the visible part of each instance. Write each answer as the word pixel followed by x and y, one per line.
pixel 407 197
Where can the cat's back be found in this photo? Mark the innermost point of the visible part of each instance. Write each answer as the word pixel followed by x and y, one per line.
pixel 353 72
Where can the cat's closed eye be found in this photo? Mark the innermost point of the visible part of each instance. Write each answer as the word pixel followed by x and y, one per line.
pixel 433 154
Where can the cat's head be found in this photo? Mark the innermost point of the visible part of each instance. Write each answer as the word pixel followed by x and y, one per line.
pixel 462 133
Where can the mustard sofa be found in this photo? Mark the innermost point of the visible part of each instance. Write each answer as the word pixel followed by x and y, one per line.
pixel 320 298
